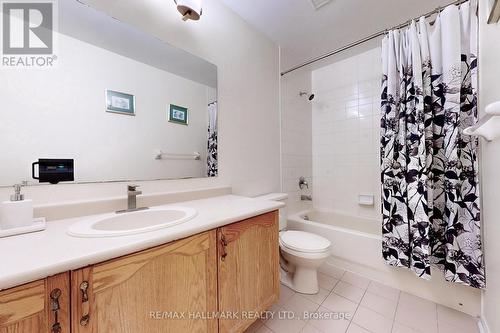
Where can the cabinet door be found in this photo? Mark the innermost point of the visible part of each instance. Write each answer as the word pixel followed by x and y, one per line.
pixel 248 270
pixel 40 306
pixel 170 288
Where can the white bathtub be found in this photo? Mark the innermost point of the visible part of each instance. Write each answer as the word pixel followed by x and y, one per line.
pixel 355 239
pixel 357 247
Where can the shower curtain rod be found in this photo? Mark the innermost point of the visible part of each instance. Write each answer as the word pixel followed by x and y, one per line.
pixel 366 39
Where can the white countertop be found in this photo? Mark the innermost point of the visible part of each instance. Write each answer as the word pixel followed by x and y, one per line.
pixel 29 257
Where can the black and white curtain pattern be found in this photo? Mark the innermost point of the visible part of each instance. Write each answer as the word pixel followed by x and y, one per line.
pixel 212 162
pixel 430 188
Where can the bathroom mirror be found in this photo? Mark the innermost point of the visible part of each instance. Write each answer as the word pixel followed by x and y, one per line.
pixel 120 103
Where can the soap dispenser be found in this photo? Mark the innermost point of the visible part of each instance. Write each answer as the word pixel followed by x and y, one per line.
pixel 17 212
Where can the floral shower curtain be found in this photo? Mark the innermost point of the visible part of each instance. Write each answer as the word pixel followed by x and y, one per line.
pixel 430 189
pixel 212 163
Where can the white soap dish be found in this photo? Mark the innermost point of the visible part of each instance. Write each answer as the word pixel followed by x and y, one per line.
pixel 38 225
pixel 366 199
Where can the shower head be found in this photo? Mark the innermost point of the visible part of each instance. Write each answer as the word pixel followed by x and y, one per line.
pixel 309 96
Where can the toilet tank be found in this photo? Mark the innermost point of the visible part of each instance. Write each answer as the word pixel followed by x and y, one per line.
pixel 281 197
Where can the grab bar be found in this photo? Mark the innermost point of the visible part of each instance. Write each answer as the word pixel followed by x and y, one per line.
pixel 160 155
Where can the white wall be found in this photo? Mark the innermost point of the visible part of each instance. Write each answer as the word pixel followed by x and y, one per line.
pixel 248 75
pixel 489 91
pixel 64 117
pixel 345 129
pixel 296 145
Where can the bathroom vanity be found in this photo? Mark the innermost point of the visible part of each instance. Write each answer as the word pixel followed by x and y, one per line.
pixel 215 280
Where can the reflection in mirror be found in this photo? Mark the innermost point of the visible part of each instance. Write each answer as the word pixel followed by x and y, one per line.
pixel 118 103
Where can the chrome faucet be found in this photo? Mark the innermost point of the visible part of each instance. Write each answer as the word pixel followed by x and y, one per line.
pixel 132 194
pixel 303 183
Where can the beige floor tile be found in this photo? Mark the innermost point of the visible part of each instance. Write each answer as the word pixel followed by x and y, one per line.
pixel 264 329
pixel 338 303
pixel 284 325
pixel 329 321
pixel 285 294
pixel 298 304
pixel 319 297
pixel 372 306
pixel 356 280
pixel 332 271
pixel 461 321
pixel 379 304
pixel 410 311
pixel 372 321
pixel 255 327
pixel 275 307
pixel 384 290
pixel 310 329
pixel 326 282
pixel 354 328
pixel 400 328
pixel 349 291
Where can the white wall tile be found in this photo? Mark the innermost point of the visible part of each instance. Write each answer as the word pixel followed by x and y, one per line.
pixel 345 152
pixel 296 137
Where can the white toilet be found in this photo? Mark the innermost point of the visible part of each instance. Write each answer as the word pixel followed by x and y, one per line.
pixel 301 253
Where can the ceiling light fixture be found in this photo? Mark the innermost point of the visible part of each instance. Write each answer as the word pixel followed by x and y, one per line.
pixel 189 9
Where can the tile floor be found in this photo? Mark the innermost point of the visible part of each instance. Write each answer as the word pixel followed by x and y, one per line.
pixel 370 307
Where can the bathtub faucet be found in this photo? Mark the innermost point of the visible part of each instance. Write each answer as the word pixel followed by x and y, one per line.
pixel 306 197
pixel 303 183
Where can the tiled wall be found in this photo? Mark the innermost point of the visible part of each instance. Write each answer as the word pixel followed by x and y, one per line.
pixel 296 145
pixel 345 134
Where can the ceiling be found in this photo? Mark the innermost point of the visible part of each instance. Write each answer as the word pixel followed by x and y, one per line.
pixel 304 33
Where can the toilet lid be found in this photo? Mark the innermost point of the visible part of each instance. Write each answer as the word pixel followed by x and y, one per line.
pixel 302 241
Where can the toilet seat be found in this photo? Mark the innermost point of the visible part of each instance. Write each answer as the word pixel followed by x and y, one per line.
pixel 304 242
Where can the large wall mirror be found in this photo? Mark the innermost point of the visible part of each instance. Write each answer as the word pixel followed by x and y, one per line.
pixel 120 103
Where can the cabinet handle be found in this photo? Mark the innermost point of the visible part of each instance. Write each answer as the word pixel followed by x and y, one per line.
pixel 84 320
pixel 83 287
pixel 56 328
pixel 54 299
pixel 54 306
pixel 223 247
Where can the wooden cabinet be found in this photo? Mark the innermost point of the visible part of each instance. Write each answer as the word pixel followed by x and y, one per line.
pixel 248 270
pixel 177 287
pixel 170 288
pixel 40 306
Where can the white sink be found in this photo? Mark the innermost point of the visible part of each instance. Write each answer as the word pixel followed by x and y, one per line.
pixel 111 225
